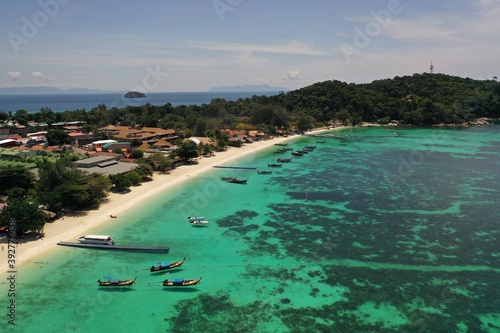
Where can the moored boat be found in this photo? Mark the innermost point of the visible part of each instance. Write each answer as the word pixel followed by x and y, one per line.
pixel 274 165
pixel 178 282
pixel 96 239
pixel 237 181
pixel 166 266
pixel 196 218
pixel 265 172
pixel 116 283
pixel 284 160
pixel 199 223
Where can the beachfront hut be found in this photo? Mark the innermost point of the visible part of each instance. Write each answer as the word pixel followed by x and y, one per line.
pixel 49 216
pixel 162 144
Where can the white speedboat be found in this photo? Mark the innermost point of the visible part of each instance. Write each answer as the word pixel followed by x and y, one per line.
pixel 199 223
pixel 96 239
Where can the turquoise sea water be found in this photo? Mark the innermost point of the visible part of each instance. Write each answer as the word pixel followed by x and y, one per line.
pixel 377 230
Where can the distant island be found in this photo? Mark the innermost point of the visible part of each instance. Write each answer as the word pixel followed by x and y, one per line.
pixel 49 90
pixel 134 94
pixel 248 87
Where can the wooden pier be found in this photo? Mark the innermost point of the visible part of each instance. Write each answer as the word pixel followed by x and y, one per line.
pixel 234 167
pixel 117 247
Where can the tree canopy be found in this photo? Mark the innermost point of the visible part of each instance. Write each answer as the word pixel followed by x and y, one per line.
pixel 61 185
pixel 22 216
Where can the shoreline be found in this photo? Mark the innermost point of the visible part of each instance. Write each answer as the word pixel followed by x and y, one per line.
pixel 68 227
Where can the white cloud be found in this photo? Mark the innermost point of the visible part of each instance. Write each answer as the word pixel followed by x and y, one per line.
pixel 489 5
pixel 291 48
pixel 40 76
pixel 37 75
pixel 74 77
pixel 291 75
pixel 425 29
pixel 14 75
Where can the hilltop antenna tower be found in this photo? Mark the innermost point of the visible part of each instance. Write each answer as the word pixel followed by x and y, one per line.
pixel 432 68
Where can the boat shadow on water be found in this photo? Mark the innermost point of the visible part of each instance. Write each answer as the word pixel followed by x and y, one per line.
pixel 186 290
pixel 115 290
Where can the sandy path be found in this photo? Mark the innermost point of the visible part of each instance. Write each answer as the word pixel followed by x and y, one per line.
pixel 70 227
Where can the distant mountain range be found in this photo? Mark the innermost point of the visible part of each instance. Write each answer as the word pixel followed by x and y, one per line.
pixel 50 90
pixel 248 87
pixel 54 90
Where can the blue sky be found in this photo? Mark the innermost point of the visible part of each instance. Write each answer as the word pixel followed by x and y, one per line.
pixel 167 45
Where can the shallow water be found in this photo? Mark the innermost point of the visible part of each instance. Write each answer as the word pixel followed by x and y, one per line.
pixel 377 230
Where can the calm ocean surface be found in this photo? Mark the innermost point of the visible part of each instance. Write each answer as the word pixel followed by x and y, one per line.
pixel 378 230
pixel 65 102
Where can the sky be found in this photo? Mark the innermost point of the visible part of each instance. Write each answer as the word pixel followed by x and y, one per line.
pixel 193 45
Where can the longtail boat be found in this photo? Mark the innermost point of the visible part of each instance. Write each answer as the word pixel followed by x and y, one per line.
pixel 165 266
pixel 116 283
pixel 265 172
pixel 238 181
pixel 178 282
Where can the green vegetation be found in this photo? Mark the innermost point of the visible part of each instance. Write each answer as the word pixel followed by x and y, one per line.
pixel 187 150
pixel 61 185
pixel 23 215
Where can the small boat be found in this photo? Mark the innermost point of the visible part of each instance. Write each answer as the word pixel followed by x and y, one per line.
pixel 199 223
pixel 178 282
pixel 96 239
pixel 297 153
pixel 196 218
pixel 274 165
pixel 323 141
pixel 310 147
pixel 280 151
pixel 166 265
pixel 116 283
pixel 112 216
pixel 281 144
pixel 227 178
pixel 284 160
pixel 238 181
pixel 265 172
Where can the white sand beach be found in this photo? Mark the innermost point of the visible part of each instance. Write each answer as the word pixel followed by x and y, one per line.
pixel 68 228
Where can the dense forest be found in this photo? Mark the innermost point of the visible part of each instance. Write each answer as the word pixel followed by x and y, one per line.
pixel 419 100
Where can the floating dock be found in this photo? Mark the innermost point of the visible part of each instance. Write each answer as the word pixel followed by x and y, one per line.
pixel 234 167
pixel 117 247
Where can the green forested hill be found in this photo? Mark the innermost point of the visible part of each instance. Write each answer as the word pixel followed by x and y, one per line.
pixel 421 99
